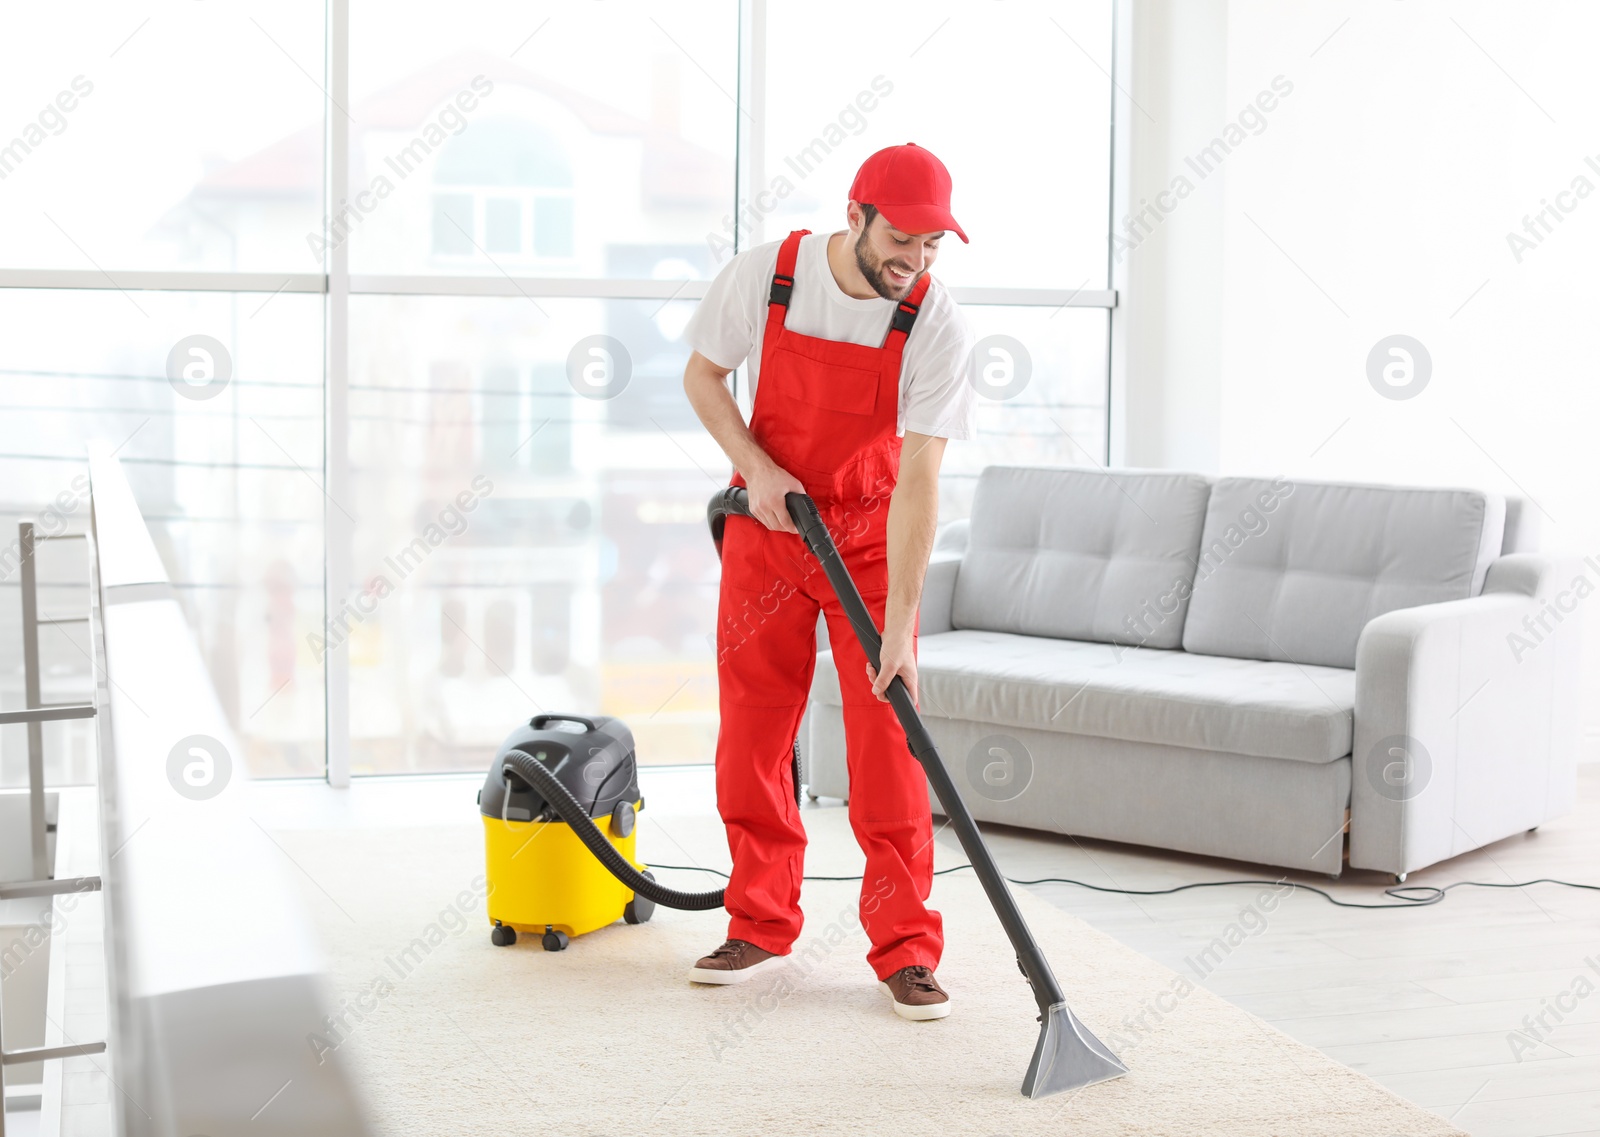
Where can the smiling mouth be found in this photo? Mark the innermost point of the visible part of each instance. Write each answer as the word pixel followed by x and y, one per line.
pixel 896 275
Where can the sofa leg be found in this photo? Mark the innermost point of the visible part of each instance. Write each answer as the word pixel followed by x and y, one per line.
pixel 1399 878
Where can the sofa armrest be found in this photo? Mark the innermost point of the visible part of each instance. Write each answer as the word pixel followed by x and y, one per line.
pixel 938 596
pixel 1467 717
pixel 939 585
pixel 952 537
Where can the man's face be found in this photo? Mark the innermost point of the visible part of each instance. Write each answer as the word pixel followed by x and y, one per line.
pixel 889 259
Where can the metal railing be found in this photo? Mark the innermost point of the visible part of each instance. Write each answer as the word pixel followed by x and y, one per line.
pixel 35 714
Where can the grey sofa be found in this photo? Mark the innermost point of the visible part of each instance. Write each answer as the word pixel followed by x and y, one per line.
pixel 1292 673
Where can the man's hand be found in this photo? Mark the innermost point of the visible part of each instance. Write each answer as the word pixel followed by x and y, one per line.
pixel 898 656
pixel 769 485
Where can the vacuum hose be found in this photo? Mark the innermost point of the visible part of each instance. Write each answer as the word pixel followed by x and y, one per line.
pixel 560 799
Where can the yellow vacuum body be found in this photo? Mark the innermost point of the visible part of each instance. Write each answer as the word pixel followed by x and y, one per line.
pixel 542 879
pixel 540 876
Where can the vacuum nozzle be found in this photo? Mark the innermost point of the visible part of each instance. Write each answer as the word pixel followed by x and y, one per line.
pixel 1068 1056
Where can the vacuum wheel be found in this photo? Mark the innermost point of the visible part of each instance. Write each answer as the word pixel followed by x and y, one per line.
pixel 554 940
pixel 503 936
pixel 640 908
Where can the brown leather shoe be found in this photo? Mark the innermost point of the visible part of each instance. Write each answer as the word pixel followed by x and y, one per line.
pixel 917 994
pixel 733 962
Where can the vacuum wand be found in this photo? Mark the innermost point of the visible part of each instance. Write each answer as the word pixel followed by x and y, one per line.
pixel 1068 1056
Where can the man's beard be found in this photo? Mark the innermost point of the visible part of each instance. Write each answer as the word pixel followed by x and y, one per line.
pixel 877 278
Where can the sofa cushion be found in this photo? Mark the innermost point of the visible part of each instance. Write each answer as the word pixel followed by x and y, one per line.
pixel 1206 702
pixel 1078 553
pixel 1294 570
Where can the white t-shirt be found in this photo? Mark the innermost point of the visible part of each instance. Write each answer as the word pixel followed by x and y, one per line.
pixel 935 396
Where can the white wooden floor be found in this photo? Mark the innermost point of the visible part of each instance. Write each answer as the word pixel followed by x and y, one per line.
pixel 1426 1001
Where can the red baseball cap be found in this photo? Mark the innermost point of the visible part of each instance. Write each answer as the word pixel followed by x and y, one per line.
pixel 909 186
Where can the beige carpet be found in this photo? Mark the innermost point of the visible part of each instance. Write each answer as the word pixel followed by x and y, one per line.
pixel 457 1036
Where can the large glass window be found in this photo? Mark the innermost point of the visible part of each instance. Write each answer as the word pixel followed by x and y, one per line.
pixel 177 136
pixel 226 466
pixel 563 141
pixel 530 489
pixel 1014 98
pixel 1041 379
pixel 532 202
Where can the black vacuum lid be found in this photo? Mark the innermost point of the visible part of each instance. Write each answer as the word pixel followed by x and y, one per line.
pixel 591 755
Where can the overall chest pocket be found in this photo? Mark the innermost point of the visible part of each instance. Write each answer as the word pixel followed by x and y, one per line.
pixel 830 386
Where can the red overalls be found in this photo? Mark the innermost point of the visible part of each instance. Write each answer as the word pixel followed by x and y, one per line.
pixel 825 411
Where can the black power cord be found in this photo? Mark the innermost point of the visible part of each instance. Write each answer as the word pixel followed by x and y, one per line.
pixel 1426 894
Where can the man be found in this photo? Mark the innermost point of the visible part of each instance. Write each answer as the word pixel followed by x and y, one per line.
pixel 858 377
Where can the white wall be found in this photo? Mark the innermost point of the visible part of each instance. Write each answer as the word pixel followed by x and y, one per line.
pixel 1375 200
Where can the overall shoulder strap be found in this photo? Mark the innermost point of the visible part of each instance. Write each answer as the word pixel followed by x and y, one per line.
pixel 905 315
pixel 778 298
pixel 783 277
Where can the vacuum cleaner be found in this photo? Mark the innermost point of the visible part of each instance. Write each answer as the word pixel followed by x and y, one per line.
pixel 561 806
